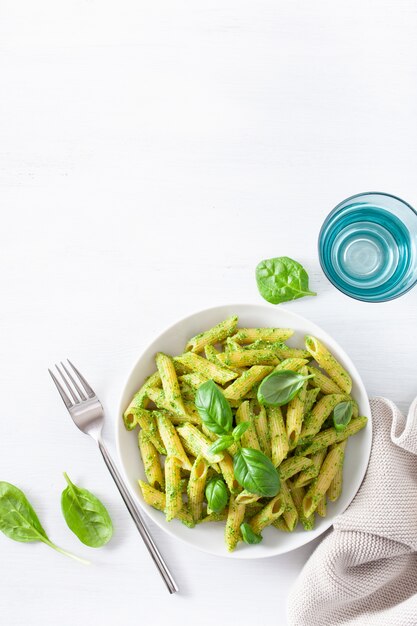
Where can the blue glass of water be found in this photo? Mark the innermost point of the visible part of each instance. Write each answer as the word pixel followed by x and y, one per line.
pixel 368 247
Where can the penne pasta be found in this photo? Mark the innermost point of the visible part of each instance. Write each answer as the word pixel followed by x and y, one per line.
pixel 151 461
pixel 250 335
pixel 278 435
pixel 240 387
pixel 321 484
pixel 330 365
pixel 214 335
pixel 196 363
pixel 235 517
pixel 196 486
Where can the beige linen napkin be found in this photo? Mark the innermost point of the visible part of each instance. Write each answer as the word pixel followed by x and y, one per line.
pixel 364 573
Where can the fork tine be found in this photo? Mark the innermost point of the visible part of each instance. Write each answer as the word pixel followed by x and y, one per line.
pixel 90 392
pixel 74 382
pixel 62 393
pixel 74 396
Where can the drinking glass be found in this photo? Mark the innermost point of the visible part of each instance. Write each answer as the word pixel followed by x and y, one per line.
pixel 368 247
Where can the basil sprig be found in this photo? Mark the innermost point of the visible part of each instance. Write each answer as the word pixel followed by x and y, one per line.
pixel 213 408
pixel 225 441
pixel 280 387
pixel 342 414
pixel 248 535
pixel 252 469
pixel 256 473
pixel 282 279
pixel 19 522
pixel 216 494
pixel 85 515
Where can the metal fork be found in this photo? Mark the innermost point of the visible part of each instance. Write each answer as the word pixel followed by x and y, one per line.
pixel 87 413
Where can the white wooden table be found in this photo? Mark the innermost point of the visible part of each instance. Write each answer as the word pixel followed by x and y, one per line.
pixel 151 153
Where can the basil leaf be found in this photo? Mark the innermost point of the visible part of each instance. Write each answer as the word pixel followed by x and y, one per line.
pixel 256 473
pixel 216 494
pixel 240 430
pixel 213 408
pixel 282 279
pixel 342 414
pixel 223 442
pixel 19 522
pixel 280 387
pixel 248 535
pixel 85 515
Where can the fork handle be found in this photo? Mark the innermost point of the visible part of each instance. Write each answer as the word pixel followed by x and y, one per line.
pixel 137 518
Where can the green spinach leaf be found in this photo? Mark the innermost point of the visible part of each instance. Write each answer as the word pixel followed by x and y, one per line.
pixel 19 522
pixel 85 515
pixel 282 279
pixel 213 408
pixel 256 473
pixel 280 387
pixel 342 414
pixel 216 494
pixel 248 535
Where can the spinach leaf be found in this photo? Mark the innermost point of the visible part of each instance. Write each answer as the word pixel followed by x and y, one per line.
pixel 248 535
pixel 240 430
pixel 282 279
pixel 223 442
pixel 85 515
pixel 256 473
pixel 19 522
pixel 216 494
pixel 213 408
pixel 280 387
pixel 342 414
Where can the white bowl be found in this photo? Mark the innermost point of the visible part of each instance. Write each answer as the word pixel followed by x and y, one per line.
pixel 210 537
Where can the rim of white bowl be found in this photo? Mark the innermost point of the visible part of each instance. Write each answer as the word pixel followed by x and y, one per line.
pixel 155 516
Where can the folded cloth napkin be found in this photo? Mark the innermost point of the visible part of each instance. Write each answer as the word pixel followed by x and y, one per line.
pixel 364 573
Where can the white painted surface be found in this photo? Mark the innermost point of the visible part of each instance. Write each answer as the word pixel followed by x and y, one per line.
pixel 151 154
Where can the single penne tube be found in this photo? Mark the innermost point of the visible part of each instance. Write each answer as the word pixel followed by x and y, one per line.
pixel 335 488
pixel 297 494
pixel 194 379
pixel 253 508
pixel 322 507
pixel 151 461
pixel 190 412
pixel 247 358
pixel 293 364
pixel 226 468
pixel 157 500
pixel 240 387
pixel 280 524
pixel 173 492
pixel 278 435
pixel 292 466
pixel 286 352
pixel 330 436
pixel 323 382
pixel 172 441
pixel 311 397
pixel 249 439
pixel 140 401
pixel 196 363
pixel 217 334
pixel 321 484
pixel 311 472
pixel 320 412
pixel 327 362
pixel 197 443
pixel 213 517
pixel 235 516
pixel 250 335
pixel 170 383
pixel 290 513
pixel 260 420
pixel 267 515
pixel 246 497
pixel 295 413
pixel 146 420
pixel 196 486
